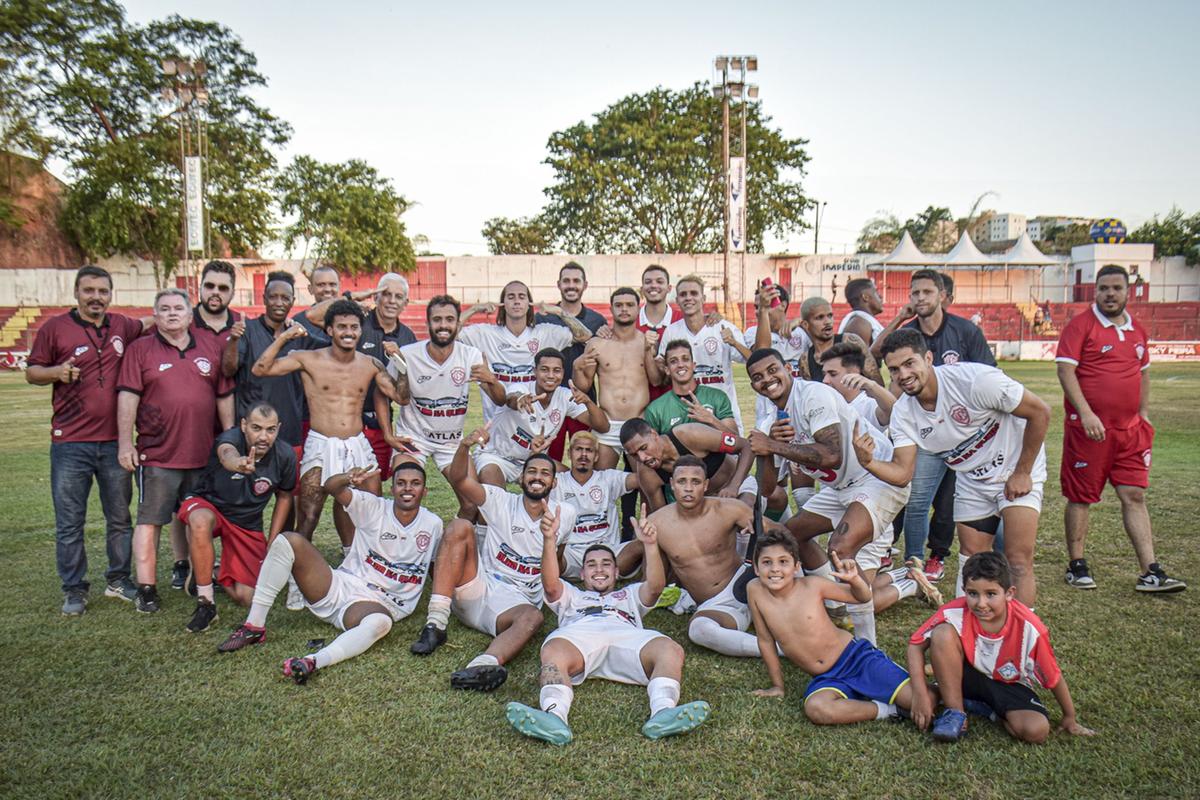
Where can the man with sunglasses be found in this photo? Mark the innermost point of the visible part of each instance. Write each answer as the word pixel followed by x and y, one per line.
pixel 212 319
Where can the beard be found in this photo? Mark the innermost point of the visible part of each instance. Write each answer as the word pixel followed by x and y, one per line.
pixel 535 496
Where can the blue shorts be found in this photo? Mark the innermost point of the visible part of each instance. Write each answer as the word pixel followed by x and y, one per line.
pixel 862 672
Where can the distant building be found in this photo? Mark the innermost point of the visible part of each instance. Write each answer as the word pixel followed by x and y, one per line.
pixel 1005 227
pixel 1039 227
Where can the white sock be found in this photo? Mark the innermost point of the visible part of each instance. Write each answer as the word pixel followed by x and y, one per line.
pixel 664 693
pixel 354 641
pixel 898 574
pixel 275 572
pixel 863 617
pixel 204 591
pixel 484 660
pixel 883 710
pixel 958 587
pixel 907 587
pixel 439 611
pixel 555 698
pixel 707 632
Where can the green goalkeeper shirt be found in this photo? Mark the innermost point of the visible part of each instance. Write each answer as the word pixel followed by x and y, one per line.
pixel 668 411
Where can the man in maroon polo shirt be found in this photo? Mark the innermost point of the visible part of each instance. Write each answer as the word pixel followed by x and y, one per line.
pixel 172 390
pixel 1103 361
pixel 212 318
pixel 79 354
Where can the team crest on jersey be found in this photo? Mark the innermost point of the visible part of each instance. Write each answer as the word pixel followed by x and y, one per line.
pixel 618 595
pixel 261 486
pixel 960 415
pixel 204 365
pixel 710 345
pixel 458 376
pixel 555 417
pixel 1140 350
pixel 1008 672
pixel 596 495
pixel 423 539
pixel 533 345
pixel 925 431
pixel 83 348
pixel 950 357
pixel 118 344
pixel 797 338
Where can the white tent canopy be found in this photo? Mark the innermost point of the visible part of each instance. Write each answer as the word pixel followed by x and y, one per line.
pixel 906 253
pixel 965 253
pixel 1025 252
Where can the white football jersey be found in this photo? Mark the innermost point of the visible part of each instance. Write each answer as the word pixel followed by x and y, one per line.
pixel 512 548
pixel 512 432
pixel 387 553
pixel 619 608
pixel 792 349
pixel 595 505
pixel 812 407
pixel 876 325
pixel 713 358
pixel 440 393
pixel 511 357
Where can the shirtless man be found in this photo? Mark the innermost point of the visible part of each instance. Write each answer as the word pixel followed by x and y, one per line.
pixel 657 453
pixel 627 368
pixel 698 535
pixel 336 379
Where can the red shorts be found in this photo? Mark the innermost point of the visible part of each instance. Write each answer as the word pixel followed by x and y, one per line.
pixel 570 427
pixel 1122 459
pixel 242 551
pixel 383 451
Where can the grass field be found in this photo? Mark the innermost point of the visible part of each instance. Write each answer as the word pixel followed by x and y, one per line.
pixel 118 704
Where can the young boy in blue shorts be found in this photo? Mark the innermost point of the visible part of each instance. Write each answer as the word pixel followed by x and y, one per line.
pixel 987 649
pixel 853 681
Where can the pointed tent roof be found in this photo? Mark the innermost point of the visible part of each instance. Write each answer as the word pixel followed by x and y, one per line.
pixel 1024 251
pixel 965 253
pixel 906 253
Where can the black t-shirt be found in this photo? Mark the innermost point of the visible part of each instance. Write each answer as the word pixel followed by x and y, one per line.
pixel 957 339
pixel 371 343
pixel 591 320
pixel 285 393
pixel 242 498
pixel 816 372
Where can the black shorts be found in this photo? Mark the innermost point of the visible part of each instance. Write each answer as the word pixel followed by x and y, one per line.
pixel 1002 697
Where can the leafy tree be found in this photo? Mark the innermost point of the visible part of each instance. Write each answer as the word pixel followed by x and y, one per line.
pixel 93 82
pixel 645 175
pixel 1173 235
pixel 345 214
pixel 880 234
pixel 926 230
pixel 520 236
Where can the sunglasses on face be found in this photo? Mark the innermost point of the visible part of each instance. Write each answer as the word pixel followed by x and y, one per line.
pixel 217 287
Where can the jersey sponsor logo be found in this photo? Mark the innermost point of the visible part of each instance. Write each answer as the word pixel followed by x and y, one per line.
pixel 118 344
pixel 261 486
pixel 522 565
pixel 458 376
pixel 596 495
pixel 951 357
pixel 960 415
pixel 423 539
pixel 925 431
pixel 1105 349
pixel 1008 671
pixel 83 348
pixel 165 367
pixel 1081 464
pixel 965 451
pixel 204 365
pixel 387 536
pixel 1139 350
pixel 710 345
pixel 424 378
pixel 396 571
pixel 441 406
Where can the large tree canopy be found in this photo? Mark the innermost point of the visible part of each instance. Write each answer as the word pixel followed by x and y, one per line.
pixel 1173 235
pixel 94 81
pixel 645 176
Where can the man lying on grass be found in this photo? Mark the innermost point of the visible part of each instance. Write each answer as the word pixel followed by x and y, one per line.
pixel 600 635
pixel 987 649
pixel 853 681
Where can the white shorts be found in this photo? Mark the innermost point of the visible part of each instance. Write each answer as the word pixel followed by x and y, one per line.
pixel 612 437
pixel 612 652
pixel 882 501
pixel 726 603
pixel 480 602
pixel 573 555
pixel 974 499
pixel 511 471
pixel 344 591
pixel 442 453
pixel 334 456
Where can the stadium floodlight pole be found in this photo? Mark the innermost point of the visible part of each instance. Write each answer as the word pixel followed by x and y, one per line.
pixel 818 211
pixel 185 89
pixel 732 71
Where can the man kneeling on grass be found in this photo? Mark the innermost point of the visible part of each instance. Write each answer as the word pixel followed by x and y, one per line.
pixel 379 581
pixel 600 635
pixel 853 681
pixel 987 648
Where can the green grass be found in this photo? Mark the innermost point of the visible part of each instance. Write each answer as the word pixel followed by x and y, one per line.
pixel 118 704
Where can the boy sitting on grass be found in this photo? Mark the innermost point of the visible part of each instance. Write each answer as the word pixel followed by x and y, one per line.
pixel 853 681
pixel 986 649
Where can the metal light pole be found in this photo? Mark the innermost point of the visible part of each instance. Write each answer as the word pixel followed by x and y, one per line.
pixel 733 86
pixel 185 89
pixel 818 211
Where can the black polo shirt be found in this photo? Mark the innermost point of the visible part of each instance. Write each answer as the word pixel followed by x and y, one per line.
pixel 242 498
pixel 285 393
pixel 371 343
pixel 957 339
pixel 315 332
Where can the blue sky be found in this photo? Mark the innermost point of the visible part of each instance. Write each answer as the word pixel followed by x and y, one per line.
pixel 1059 107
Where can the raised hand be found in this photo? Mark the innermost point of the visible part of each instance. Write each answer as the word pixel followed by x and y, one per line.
pixel 766 295
pixel 245 465
pixel 479 436
pixel 549 524
pixel 360 475
pixel 541 443
pixel 293 332
pixel 855 381
pixel 481 374
pixel 844 571
pixel 652 340
pixel 67 371
pixel 391 349
pixel 864 446
pixel 645 531
pixel 727 335
pixel 397 360
pixel 239 329
pixel 698 412
pixel 525 402
pixel 576 395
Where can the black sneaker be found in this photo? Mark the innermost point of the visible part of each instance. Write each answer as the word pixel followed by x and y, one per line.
pixel 483 678
pixel 432 637
pixel 299 669
pixel 204 616
pixel 1155 580
pixel 179 573
pixel 74 602
pixel 147 599
pixel 243 636
pixel 1078 575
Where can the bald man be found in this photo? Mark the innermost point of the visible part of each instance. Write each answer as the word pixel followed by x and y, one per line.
pixel 816 318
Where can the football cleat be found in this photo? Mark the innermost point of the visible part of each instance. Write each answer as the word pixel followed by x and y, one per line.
pixel 299 669
pixel 950 725
pixel 482 678
pixel 432 637
pixel 538 724
pixel 677 720
pixel 242 636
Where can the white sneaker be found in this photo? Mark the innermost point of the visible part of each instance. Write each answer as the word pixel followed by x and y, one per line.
pixel 295 600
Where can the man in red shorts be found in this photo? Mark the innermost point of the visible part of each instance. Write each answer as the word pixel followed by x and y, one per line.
pixel 1103 354
pixel 248 465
